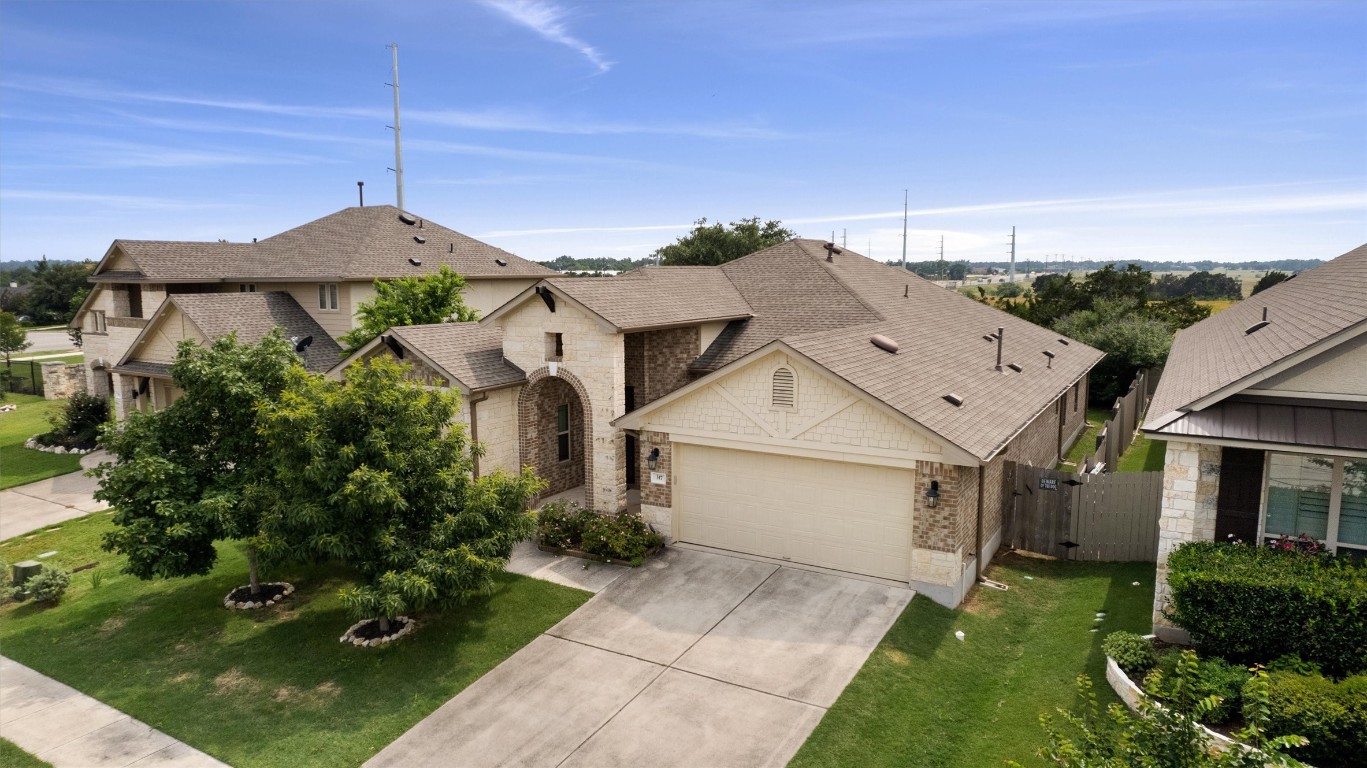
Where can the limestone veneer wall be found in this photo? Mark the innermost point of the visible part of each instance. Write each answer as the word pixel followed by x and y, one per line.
pixel 497 421
pixel 61 380
pixel 1191 488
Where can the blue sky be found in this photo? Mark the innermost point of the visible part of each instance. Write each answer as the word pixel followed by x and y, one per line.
pixel 1223 130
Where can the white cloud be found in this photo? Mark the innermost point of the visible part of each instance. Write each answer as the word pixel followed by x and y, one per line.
pixel 547 20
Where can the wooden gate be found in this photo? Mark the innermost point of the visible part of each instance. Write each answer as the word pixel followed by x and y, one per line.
pixel 1110 517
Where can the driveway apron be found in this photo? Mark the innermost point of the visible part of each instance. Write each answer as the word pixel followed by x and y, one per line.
pixel 695 659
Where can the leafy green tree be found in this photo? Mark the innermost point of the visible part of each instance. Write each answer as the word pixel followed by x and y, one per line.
pixel 713 244
pixel 434 298
pixel 1198 285
pixel 184 477
pixel 1009 290
pixel 1108 283
pixel 375 473
pixel 1162 737
pixel 52 288
pixel 1268 280
pixel 958 270
pixel 1178 312
pixel 13 338
pixel 1131 341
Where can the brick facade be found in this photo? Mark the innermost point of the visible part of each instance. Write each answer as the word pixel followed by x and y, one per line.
pixel 657 361
pixel 657 500
pixel 537 436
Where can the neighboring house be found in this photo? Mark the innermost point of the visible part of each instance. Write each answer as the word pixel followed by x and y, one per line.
pixel 1264 407
pixel 759 407
pixel 322 270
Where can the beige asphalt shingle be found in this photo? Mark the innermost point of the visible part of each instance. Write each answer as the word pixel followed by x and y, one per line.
pixel 1216 352
pixel 352 244
pixel 253 315
pixel 658 296
pixel 470 353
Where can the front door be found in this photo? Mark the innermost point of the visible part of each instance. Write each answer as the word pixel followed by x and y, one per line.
pixel 632 480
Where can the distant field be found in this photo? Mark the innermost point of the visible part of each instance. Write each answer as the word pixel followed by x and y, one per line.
pixel 1216 305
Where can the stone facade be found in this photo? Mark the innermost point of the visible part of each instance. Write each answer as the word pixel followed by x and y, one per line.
pixel 61 381
pixel 594 355
pixel 496 429
pixel 1191 489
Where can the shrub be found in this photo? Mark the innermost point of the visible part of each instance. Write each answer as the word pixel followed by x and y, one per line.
pixel 1254 604
pixel 1213 677
pixel 78 424
pixel 623 536
pixel 1333 716
pixel 1293 663
pixel 1134 653
pixel 48 586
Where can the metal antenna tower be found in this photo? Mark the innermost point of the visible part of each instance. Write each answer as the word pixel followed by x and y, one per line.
pixel 398 131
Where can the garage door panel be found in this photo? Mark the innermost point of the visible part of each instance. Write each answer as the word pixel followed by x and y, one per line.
pixel 839 515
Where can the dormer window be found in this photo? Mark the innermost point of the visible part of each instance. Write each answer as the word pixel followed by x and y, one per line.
pixel 784 389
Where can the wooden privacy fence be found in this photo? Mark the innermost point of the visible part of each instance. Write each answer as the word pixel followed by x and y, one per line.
pixel 1126 416
pixel 1111 517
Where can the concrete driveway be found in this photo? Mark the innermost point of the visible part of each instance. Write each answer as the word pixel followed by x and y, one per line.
pixel 695 659
pixel 27 508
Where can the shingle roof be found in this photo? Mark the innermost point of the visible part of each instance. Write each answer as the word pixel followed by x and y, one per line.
pixel 253 315
pixel 352 244
pixel 658 296
pixel 470 353
pixel 1216 352
pixel 140 368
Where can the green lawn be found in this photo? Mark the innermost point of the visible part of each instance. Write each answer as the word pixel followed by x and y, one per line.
pixel 19 465
pixel 1144 455
pixel 259 689
pixel 11 756
pixel 924 699
pixel 1086 442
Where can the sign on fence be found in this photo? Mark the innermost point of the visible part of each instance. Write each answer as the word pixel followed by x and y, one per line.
pixel 1089 517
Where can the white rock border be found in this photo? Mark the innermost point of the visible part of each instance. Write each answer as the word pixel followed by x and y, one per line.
pixel 247 605
pixel 1132 694
pixel 351 637
pixel 33 445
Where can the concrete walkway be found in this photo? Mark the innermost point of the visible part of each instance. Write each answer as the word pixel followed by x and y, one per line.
pixel 695 659
pixel 26 508
pixel 63 726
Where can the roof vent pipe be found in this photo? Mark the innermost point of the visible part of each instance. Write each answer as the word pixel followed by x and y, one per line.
pixel 906 290
pixel 1258 325
pixel 1049 355
pixel 1000 333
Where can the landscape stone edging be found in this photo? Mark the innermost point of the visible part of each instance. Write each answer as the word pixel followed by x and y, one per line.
pixel 246 605
pixel 350 636
pixel 1132 694
pixel 33 445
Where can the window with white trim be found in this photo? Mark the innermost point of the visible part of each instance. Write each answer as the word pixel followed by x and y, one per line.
pixel 784 393
pixel 1322 497
pixel 327 296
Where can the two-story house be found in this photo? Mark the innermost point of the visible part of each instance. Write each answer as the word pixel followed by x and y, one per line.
pixel 803 403
pixel 148 295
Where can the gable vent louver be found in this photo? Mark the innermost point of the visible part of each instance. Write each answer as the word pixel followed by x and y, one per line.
pixel 785 388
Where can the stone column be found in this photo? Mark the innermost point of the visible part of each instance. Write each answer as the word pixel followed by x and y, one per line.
pixel 1191 489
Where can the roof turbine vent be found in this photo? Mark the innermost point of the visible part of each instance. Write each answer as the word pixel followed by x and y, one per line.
pixel 884 343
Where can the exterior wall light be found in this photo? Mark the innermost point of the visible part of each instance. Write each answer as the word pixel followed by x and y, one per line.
pixel 653 459
pixel 933 495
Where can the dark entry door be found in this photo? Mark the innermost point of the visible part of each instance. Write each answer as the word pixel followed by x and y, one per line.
pixel 632 479
pixel 1241 486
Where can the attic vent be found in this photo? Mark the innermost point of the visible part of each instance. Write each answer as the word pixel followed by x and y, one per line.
pixel 884 343
pixel 415 262
pixel 785 388
pixel 407 219
pixel 1258 326
pixel 954 400
pixel 1014 367
pixel 1064 342
pixel 989 337
pixel 501 262
pixel 419 239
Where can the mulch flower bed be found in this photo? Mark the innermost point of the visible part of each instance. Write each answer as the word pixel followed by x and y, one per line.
pixel 242 599
pixel 367 633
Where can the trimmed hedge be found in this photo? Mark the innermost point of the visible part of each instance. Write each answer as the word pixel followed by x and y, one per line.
pixel 1252 605
pixel 1332 716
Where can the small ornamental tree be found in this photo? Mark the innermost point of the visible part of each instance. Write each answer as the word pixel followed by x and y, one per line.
pixel 13 338
pixel 420 300
pixel 184 477
pixel 375 473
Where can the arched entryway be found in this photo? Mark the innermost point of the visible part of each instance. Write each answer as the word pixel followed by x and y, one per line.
pixel 553 432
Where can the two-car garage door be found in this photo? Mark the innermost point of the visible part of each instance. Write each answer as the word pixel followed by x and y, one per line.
pixel 839 515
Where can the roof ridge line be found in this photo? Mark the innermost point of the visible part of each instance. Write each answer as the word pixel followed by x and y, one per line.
pixel 841 281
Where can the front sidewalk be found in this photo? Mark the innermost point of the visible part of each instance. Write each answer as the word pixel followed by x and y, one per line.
pixel 64 727
pixel 27 508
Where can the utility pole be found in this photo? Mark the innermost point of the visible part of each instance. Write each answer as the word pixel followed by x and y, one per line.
pixel 905 194
pixel 398 131
pixel 1013 254
pixel 844 238
pixel 943 271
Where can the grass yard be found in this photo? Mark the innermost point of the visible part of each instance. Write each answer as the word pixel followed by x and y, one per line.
pixel 925 699
pixel 266 688
pixel 11 756
pixel 1086 442
pixel 1143 455
pixel 19 465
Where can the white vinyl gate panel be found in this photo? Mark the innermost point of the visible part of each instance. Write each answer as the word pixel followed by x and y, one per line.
pixel 839 515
